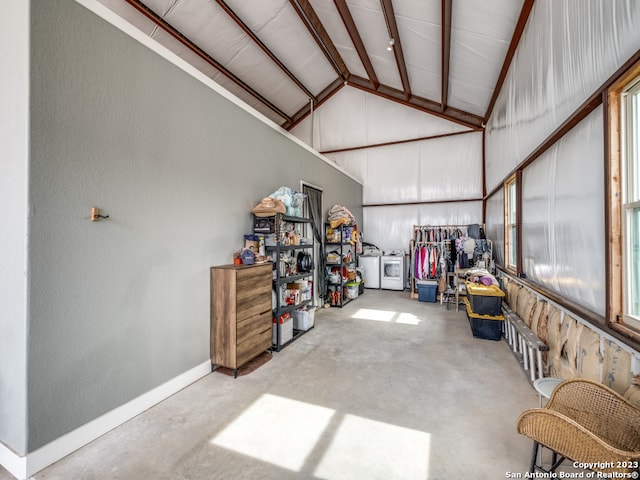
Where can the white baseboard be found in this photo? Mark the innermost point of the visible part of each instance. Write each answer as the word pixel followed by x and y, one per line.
pixel 23 467
pixel 13 463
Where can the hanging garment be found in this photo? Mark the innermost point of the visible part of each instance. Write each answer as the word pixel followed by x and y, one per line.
pixel 425 262
pixel 433 262
pixel 452 251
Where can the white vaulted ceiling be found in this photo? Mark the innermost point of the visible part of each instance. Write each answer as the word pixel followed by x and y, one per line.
pixel 288 58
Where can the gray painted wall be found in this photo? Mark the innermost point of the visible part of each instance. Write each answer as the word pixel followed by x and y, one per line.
pixel 120 306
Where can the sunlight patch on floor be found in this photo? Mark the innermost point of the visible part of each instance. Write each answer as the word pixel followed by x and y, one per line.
pixel 277 430
pixel 376 315
pixel 407 319
pixel 386 316
pixel 363 448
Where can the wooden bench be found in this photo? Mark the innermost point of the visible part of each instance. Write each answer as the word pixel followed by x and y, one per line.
pixel 524 342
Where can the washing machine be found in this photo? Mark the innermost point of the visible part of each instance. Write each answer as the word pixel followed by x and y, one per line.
pixel 392 270
pixel 369 260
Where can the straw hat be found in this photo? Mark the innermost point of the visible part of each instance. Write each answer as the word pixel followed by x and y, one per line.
pixel 268 206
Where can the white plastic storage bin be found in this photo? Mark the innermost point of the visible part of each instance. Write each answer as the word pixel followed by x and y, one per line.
pixel 286 329
pixel 353 289
pixel 303 318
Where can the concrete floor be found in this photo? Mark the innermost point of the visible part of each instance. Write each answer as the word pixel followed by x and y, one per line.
pixel 385 388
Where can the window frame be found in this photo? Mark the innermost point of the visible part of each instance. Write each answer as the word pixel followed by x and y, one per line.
pixel 619 185
pixel 630 199
pixel 511 243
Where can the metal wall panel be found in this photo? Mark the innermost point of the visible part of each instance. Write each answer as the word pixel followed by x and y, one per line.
pixel 568 50
pixel 563 240
pixel 391 227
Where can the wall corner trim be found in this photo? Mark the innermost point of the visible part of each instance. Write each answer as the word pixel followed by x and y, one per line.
pixel 23 467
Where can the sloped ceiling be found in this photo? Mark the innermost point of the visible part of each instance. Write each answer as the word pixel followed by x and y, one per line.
pixel 288 57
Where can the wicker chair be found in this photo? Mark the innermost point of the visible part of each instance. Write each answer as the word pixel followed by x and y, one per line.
pixel 585 422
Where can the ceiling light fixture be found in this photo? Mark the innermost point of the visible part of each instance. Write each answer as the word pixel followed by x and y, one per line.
pixel 392 42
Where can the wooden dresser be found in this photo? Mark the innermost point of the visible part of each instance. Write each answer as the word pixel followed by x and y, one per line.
pixel 241 315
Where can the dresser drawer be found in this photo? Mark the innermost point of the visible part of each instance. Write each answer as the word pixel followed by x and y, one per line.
pixel 256 278
pixel 253 325
pixel 253 346
pixel 254 305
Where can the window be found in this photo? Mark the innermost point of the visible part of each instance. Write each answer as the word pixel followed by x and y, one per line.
pixel 624 205
pixel 510 220
pixel 630 163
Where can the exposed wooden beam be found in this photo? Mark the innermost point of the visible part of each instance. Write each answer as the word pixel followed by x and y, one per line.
pixel 160 22
pixel 457 114
pixel 322 97
pixel 392 26
pixel 352 30
pixel 419 102
pixel 612 210
pixel 446 51
pixel 527 6
pixel 398 142
pixel 424 202
pixel 310 19
pixel 453 115
pixel 484 169
pixel 460 117
pixel 263 47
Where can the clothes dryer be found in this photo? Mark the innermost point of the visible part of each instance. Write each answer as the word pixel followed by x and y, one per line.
pixel 392 270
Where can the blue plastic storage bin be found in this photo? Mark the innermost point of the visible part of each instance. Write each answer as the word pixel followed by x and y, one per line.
pixel 427 292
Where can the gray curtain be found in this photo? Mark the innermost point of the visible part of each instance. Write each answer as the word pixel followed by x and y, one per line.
pixel 314 204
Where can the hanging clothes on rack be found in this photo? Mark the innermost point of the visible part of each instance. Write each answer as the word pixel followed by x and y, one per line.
pixel 433 250
pixel 427 257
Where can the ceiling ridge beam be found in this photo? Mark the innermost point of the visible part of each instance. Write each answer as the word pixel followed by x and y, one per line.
pixel 354 34
pixel 527 6
pixel 452 112
pixel 446 51
pixel 392 27
pixel 263 47
pixel 460 117
pixel 171 30
pixel 398 142
pixel 311 20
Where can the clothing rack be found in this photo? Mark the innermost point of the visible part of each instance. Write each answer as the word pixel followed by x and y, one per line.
pixel 430 252
pixel 436 250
